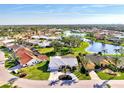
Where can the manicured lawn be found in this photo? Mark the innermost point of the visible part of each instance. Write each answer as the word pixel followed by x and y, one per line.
pixel 37 72
pixel 45 50
pixel 81 49
pixel 105 76
pixel 82 76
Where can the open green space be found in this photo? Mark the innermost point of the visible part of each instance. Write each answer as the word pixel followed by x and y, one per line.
pixel 45 50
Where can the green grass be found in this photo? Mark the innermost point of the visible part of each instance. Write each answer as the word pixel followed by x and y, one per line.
pixel 81 49
pixel 37 72
pixel 81 76
pixel 6 51
pixel 122 44
pixel 45 50
pixel 105 76
pixel 9 64
pixel 6 86
pixel 113 55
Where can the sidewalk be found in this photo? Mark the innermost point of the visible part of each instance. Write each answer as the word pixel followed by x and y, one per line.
pixel 93 75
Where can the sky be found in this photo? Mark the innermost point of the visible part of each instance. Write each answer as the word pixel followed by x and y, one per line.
pixel 17 14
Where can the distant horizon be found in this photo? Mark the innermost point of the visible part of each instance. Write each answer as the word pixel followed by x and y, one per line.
pixel 20 14
pixel 54 24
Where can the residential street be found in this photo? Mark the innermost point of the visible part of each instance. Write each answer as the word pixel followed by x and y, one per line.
pixel 25 83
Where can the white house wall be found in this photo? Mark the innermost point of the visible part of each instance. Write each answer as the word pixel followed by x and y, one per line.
pixel 32 62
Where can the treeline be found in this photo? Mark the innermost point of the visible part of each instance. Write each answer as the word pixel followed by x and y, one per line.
pixel 116 27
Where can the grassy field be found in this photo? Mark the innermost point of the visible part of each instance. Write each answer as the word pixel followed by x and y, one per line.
pixel 45 50
pixel 81 49
pixel 37 72
pixel 82 76
pixel 105 76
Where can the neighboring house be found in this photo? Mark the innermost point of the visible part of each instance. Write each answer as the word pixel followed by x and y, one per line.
pixel 73 33
pixel 114 39
pixel 34 42
pixel 26 57
pixel 45 44
pixel 47 37
pixel 2 56
pixel 8 42
pixel 57 61
pixel 99 60
pixel 14 47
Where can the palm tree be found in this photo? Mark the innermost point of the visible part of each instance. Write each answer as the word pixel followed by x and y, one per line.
pixel 104 51
pixel 121 51
pixel 116 51
pixel 116 61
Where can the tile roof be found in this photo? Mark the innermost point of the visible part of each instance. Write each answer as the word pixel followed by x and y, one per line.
pixel 42 57
pixel 57 61
pixel 24 55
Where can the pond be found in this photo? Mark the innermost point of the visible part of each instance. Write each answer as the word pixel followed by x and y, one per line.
pixel 96 47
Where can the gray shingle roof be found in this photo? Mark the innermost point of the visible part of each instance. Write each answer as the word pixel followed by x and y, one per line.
pixel 57 61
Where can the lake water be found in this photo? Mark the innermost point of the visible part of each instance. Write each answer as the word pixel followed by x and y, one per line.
pixel 97 47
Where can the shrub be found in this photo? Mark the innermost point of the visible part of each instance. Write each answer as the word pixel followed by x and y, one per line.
pixel 83 70
pixel 22 75
pixel 112 67
pixel 109 86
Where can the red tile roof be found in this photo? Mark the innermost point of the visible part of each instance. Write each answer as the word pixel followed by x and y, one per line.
pixel 24 55
pixel 43 57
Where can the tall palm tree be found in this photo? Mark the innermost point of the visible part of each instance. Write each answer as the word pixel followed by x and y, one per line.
pixel 121 51
pixel 104 51
pixel 116 51
pixel 117 61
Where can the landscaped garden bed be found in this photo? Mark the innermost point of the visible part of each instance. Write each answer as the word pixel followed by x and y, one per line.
pixel 82 76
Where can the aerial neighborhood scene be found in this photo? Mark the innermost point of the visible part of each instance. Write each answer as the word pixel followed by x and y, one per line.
pixel 61 46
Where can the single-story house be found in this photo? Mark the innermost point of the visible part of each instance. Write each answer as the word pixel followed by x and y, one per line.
pixel 8 42
pixel 14 47
pixel 45 44
pixel 99 60
pixel 26 57
pixel 57 61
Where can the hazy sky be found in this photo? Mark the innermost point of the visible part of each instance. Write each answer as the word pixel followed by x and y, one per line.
pixel 61 14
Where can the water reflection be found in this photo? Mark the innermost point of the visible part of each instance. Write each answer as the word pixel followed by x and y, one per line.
pixel 97 47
